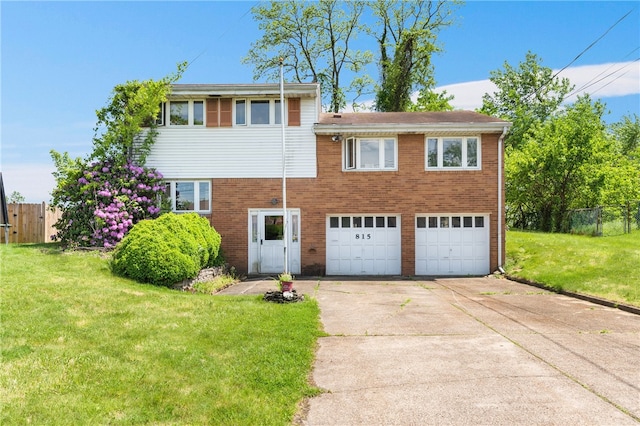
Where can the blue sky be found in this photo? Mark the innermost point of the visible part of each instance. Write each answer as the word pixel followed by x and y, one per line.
pixel 60 61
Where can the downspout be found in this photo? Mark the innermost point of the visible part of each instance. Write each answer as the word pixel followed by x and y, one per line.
pixel 500 160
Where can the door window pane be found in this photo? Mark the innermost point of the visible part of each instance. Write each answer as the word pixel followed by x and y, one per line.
pixel 294 228
pixel 259 112
pixel 254 228
pixel 368 222
pixel 444 222
pixel 455 222
pixel 391 222
pixel 334 222
pixel 346 222
pixel 468 222
pixel 179 113
pixel 479 221
pixel 433 222
pixel 273 228
pixel 357 222
pixel 379 221
pixel 421 222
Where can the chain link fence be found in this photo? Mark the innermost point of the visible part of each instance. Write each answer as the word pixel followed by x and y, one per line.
pixel 606 220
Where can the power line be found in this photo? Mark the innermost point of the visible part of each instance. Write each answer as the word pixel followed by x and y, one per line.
pixel 205 50
pixel 577 57
pixel 592 82
pixel 592 44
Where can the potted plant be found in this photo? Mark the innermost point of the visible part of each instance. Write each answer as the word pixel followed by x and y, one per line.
pixel 285 281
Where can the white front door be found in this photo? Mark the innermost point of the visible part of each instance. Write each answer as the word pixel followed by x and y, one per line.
pixel 266 241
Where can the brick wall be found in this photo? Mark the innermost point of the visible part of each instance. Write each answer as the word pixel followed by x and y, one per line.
pixel 407 192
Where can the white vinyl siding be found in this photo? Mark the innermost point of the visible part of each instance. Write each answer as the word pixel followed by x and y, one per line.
pixel 237 152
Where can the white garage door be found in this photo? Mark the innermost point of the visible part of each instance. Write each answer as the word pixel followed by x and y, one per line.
pixel 363 245
pixel 452 244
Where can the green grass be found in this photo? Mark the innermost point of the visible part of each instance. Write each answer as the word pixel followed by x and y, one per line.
pixel 607 267
pixel 81 346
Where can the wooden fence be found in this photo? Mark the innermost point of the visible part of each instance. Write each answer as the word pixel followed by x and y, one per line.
pixel 30 223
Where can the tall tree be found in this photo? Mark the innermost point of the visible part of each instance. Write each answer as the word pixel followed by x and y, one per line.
pixel 526 95
pixel 622 183
pixel 314 39
pixel 559 166
pixel 406 34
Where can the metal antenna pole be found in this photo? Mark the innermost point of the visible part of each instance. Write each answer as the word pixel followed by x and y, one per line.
pixel 284 170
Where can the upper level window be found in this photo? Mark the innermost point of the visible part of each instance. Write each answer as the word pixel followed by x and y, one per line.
pixel 186 113
pixel 190 196
pixel 370 154
pixel 257 112
pixel 453 153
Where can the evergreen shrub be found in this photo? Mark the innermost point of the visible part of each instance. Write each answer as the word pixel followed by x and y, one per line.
pixel 167 250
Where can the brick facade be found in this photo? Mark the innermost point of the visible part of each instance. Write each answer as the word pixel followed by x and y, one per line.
pixel 408 191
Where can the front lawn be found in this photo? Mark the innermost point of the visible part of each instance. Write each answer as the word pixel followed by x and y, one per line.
pixel 607 267
pixel 81 346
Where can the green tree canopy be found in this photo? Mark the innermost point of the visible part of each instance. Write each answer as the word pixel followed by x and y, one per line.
pixel 314 39
pixel 406 34
pixel 559 166
pixel 118 134
pixel 526 95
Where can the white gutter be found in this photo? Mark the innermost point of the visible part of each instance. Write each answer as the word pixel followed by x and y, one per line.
pixel 404 128
pixel 500 143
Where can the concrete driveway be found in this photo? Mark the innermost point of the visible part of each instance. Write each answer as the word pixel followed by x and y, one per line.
pixel 467 351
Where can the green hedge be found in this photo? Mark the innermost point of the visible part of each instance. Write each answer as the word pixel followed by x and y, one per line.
pixel 167 250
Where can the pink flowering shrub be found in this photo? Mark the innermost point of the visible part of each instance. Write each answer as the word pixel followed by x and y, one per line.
pixel 102 202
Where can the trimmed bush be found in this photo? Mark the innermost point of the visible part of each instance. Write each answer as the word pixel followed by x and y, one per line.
pixel 167 250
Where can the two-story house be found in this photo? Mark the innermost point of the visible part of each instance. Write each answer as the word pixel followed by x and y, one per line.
pixel 417 193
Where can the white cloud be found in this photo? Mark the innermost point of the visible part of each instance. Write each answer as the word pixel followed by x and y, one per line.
pixel 33 181
pixel 602 81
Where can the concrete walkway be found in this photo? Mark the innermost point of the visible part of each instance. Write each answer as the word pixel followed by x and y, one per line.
pixel 472 351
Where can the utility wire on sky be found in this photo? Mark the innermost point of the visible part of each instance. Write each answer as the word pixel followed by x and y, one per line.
pixel 577 57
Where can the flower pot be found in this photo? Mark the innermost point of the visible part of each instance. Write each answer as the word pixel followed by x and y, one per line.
pixel 286 285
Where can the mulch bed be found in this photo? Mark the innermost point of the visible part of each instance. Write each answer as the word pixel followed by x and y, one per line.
pixel 280 297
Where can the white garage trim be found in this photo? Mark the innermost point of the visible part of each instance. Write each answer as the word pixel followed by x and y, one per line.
pixel 452 244
pixel 363 244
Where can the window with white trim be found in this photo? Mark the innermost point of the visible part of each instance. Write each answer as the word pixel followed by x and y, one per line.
pixel 370 154
pixel 257 112
pixel 185 113
pixel 453 153
pixel 189 195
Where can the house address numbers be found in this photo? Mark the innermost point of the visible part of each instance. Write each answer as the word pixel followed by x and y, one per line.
pixel 363 236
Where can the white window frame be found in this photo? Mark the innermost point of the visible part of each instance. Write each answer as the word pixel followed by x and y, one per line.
pixel 196 195
pixel 352 157
pixel 464 159
pixel 190 113
pixel 274 109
